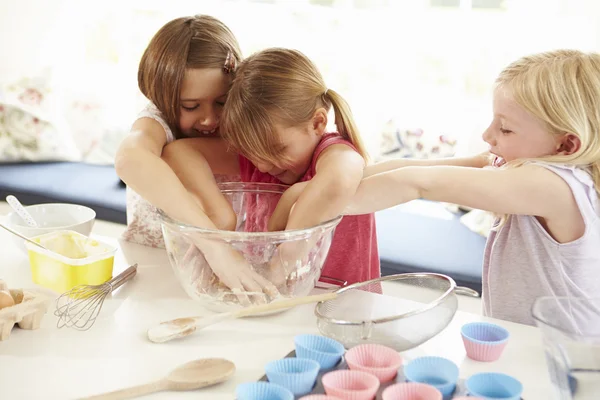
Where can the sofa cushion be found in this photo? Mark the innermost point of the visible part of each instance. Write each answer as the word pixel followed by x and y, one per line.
pixel 91 185
pixel 423 236
pixel 420 236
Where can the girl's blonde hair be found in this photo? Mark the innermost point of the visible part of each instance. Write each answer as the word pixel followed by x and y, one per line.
pixel 184 43
pixel 562 89
pixel 279 86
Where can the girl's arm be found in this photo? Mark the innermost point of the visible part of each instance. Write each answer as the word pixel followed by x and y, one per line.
pixel 339 171
pixel 139 165
pixel 195 161
pixel 280 216
pixel 477 161
pixel 279 219
pixel 525 190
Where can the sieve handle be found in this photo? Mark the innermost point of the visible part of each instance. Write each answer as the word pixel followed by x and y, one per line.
pixel 465 291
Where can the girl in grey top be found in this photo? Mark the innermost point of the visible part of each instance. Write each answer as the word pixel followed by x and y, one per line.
pixel 543 182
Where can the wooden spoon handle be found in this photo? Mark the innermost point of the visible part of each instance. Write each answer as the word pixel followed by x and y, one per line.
pixel 278 305
pixel 129 393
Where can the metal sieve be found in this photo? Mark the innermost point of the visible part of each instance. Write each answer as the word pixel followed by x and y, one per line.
pixel 368 312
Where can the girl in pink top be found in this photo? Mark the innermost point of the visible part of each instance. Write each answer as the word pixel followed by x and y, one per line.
pixel 544 183
pixel 353 255
pixel 274 123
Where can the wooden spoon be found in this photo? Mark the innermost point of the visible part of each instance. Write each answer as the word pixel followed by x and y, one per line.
pixel 189 376
pixel 182 327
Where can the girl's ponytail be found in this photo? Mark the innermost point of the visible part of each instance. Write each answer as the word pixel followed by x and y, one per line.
pixel 344 121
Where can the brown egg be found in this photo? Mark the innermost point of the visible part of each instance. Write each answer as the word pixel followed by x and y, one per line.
pixel 6 299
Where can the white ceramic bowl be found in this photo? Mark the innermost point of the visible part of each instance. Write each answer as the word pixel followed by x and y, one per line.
pixel 52 217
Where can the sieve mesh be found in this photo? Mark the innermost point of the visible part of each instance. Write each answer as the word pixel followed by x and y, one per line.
pixel 419 308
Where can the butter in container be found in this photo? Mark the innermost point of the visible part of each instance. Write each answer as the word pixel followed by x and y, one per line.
pixel 71 259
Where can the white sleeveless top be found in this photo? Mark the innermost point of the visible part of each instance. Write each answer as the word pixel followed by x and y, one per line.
pixel 143 222
pixel 522 261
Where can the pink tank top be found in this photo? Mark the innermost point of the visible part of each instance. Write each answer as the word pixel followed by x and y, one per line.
pixel 353 255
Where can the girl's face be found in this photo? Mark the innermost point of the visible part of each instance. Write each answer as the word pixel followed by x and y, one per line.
pixel 298 144
pixel 203 94
pixel 515 134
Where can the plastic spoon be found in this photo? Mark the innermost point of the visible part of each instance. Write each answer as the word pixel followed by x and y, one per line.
pixel 21 211
pixel 189 376
pixel 23 237
pixel 182 327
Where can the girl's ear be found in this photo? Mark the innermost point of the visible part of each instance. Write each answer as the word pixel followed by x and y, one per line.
pixel 569 144
pixel 319 121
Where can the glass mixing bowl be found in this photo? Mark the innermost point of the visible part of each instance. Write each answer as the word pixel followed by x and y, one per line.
pixel 253 204
pixel 570 328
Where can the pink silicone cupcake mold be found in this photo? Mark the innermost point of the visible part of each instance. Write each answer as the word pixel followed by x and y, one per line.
pixel 411 391
pixel 484 341
pixel 376 359
pixel 350 385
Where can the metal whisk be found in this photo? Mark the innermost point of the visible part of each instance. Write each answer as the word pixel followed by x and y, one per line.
pixel 79 307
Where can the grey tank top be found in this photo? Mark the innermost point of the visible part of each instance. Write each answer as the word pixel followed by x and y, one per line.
pixel 522 261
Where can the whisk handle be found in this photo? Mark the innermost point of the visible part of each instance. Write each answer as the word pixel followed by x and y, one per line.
pixel 123 277
pixel 131 392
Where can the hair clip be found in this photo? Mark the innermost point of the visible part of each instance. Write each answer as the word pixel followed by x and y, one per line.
pixel 229 65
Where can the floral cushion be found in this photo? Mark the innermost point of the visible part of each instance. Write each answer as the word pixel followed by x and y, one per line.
pixel 30 127
pixel 397 142
pixel 97 125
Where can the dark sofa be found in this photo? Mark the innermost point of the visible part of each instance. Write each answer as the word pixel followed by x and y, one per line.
pixel 414 237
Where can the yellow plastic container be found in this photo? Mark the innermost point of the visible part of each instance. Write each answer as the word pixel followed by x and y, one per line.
pixel 65 265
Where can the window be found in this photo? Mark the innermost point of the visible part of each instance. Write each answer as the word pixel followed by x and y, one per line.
pixel 424 63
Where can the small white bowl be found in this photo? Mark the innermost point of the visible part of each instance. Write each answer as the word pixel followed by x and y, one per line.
pixel 52 217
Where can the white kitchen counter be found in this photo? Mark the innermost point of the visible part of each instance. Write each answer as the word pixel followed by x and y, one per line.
pixel 52 363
